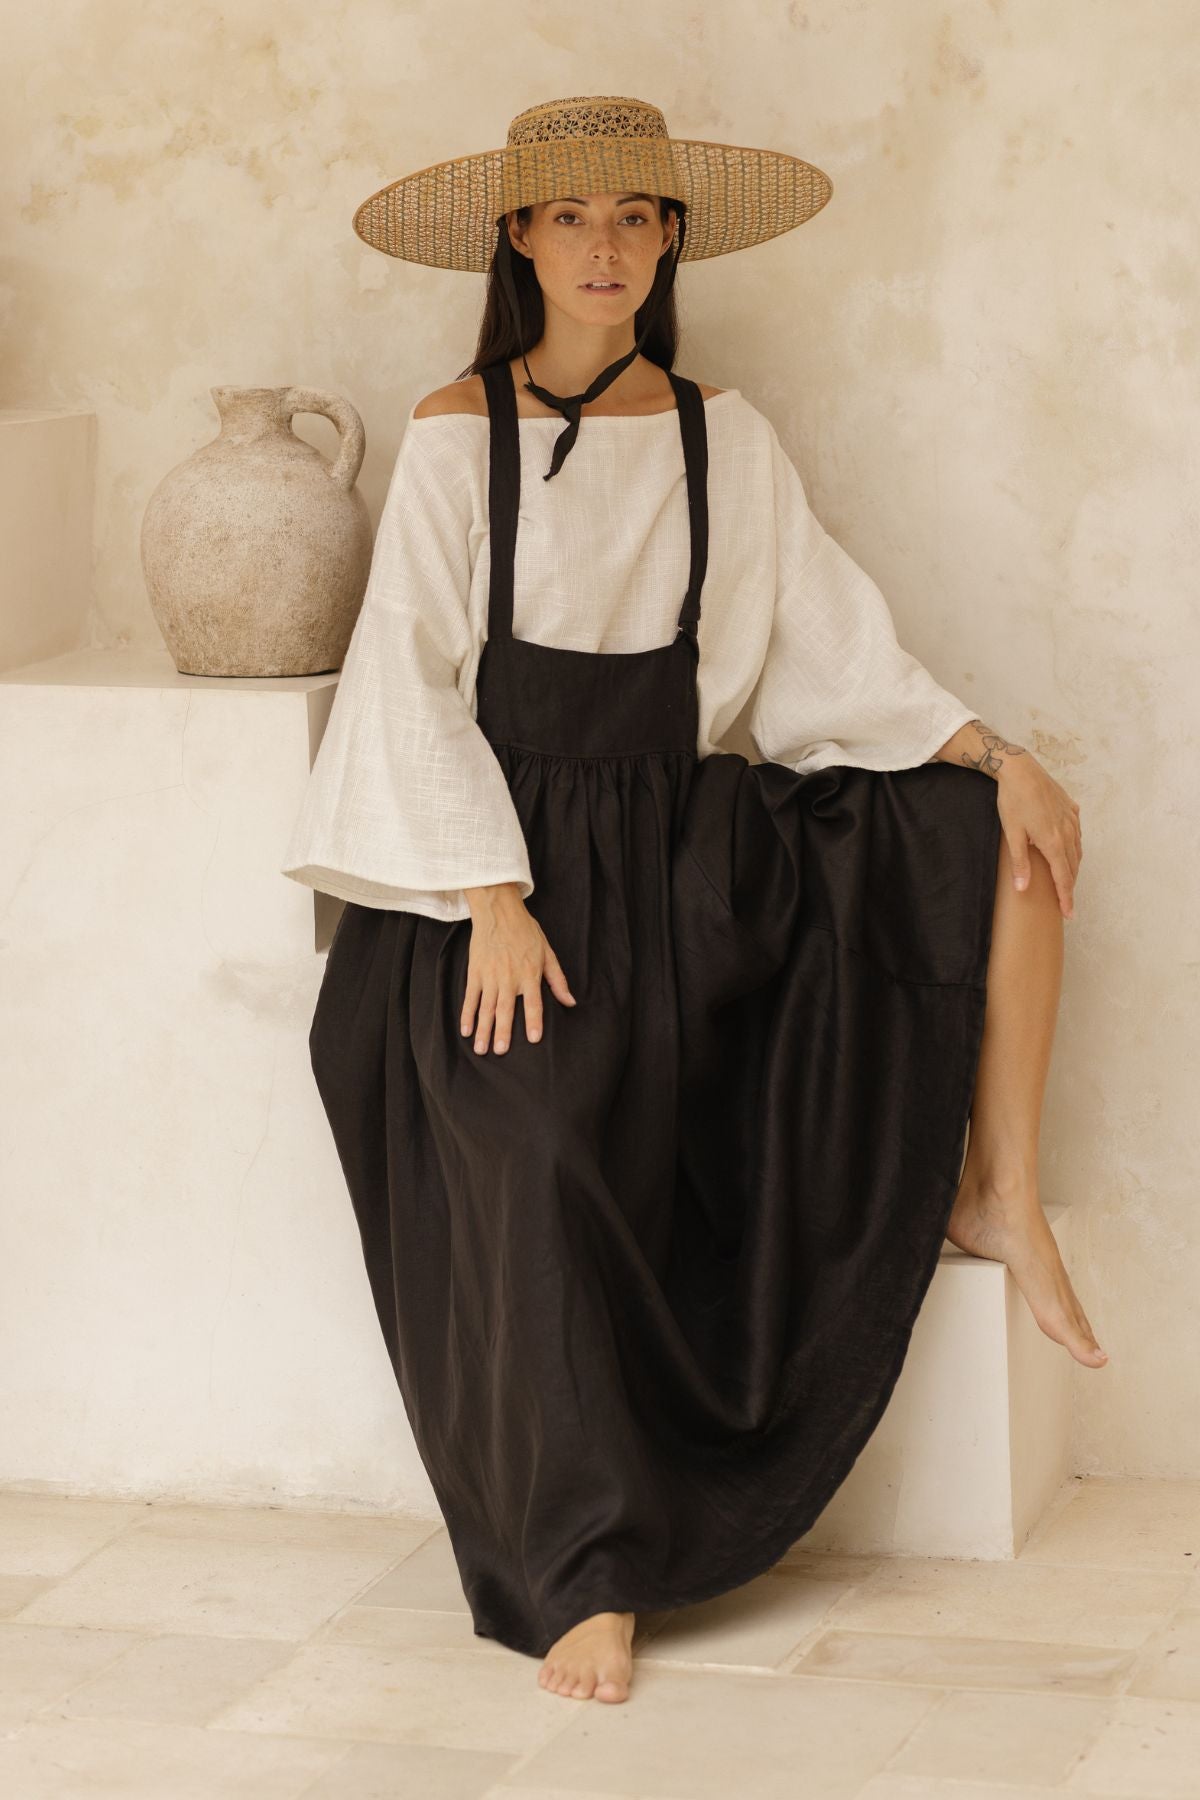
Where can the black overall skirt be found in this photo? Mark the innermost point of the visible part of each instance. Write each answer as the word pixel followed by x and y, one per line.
pixel 647 1284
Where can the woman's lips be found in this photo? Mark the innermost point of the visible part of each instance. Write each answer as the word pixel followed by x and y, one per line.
pixel 616 287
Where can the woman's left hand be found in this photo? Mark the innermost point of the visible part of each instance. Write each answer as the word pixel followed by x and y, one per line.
pixel 1035 810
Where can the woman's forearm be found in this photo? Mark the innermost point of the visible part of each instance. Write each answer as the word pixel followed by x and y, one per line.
pixel 976 746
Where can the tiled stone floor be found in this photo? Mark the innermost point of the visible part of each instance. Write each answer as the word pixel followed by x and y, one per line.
pixel 179 1652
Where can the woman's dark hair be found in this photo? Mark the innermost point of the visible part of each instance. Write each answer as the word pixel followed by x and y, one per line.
pixel 498 339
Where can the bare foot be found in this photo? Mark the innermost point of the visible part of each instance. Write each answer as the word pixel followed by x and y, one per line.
pixel 1009 1226
pixel 594 1658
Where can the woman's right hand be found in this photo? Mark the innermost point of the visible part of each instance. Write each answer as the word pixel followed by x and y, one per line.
pixel 509 955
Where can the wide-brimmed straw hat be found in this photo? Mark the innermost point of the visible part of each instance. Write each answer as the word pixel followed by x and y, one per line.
pixel 452 214
pixel 446 215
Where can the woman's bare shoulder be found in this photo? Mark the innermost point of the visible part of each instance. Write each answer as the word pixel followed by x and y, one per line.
pixel 456 397
pixel 469 396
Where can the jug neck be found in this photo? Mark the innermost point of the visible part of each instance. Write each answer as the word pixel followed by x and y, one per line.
pixel 249 413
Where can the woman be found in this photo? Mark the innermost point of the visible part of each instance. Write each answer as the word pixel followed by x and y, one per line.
pixel 647 1253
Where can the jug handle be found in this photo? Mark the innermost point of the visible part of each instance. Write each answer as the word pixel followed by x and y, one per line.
pixel 344 470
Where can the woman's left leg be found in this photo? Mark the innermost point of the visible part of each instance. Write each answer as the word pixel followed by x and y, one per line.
pixel 998 1212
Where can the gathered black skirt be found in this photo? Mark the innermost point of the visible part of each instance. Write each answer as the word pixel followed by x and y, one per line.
pixel 647 1285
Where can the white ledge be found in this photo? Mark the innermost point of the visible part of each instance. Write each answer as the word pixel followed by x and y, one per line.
pixel 149 666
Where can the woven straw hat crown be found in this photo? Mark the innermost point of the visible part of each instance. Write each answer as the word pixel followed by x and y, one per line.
pixel 446 215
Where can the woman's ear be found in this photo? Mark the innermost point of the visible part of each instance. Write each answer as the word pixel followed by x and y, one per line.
pixel 516 235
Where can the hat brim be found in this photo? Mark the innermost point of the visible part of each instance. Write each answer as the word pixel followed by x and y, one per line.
pixel 446 215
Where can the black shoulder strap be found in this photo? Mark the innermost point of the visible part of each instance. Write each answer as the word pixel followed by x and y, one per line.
pixel 504 493
pixel 693 428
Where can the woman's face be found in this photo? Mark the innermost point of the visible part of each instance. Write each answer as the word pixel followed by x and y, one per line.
pixel 595 237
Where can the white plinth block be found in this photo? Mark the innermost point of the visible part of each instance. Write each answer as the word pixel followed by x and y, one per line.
pixel 973 1445
pixel 183 1305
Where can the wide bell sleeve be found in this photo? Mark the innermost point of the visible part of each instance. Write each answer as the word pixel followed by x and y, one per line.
pixel 406 803
pixel 835 686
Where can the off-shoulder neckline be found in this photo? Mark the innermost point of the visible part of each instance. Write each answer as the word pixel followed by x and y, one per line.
pixel 556 419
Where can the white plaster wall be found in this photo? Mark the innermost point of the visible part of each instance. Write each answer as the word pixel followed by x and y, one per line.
pixel 982 356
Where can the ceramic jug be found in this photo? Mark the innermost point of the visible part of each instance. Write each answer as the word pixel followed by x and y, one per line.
pixel 256 549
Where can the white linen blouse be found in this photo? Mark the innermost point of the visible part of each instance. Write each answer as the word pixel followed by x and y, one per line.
pixel 406 804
